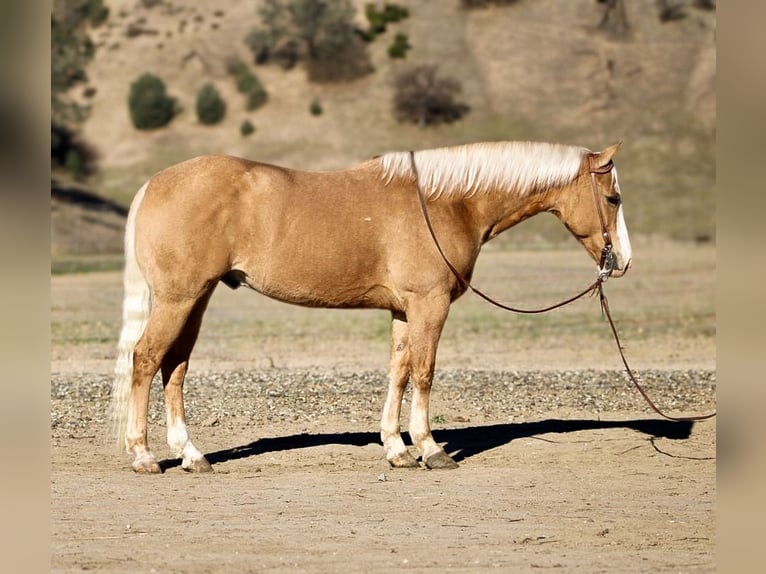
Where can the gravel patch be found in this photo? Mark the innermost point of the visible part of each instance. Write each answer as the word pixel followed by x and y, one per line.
pixel 80 401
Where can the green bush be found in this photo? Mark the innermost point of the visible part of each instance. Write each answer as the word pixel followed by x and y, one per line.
pixel 380 20
pixel 97 12
pixel 321 33
pixel 210 105
pixel 246 81
pixel 246 128
pixel 316 108
pixel 256 98
pixel 248 84
pixel 399 47
pixel 150 106
pixel 262 45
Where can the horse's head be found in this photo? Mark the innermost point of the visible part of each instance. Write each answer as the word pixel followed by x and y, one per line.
pixel 591 208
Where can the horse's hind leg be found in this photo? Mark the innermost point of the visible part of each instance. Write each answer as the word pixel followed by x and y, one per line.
pixel 399 374
pixel 174 367
pixel 166 322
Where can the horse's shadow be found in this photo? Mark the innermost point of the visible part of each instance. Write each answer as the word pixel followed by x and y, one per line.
pixel 461 443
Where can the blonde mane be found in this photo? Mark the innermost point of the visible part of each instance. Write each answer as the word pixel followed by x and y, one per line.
pixel 467 170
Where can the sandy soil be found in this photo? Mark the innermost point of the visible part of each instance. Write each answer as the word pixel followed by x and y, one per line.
pixel 561 464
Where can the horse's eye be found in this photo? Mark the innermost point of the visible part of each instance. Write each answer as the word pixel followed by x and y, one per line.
pixel 614 199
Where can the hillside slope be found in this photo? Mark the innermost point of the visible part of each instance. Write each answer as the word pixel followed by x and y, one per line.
pixel 532 70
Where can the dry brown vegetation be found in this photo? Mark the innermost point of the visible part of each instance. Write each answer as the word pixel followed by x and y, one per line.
pixel 538 70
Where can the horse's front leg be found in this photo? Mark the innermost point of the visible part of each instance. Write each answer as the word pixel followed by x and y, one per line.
pixel 399 374
pixel 426 320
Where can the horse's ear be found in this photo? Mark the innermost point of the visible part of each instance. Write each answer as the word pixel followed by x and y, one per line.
pixel 602 158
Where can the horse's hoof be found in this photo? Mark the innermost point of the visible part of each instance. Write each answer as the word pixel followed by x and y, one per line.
pixel 198 465
pixel 440 460
pixel 146 466
pixel 405 460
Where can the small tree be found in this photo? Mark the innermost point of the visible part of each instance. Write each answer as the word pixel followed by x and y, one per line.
pixel 150 106
pixel 424 98
pixel 321 33
pixel 71 50
pixel 210 105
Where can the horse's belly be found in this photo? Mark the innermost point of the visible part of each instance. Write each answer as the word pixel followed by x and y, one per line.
pixel 312 285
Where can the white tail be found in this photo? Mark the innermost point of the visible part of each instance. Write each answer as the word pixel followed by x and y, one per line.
pixel 135 311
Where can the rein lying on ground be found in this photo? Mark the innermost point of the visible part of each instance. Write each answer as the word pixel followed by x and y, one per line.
pixel 343 239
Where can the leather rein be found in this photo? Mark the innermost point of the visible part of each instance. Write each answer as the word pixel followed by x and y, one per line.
pixel 606 266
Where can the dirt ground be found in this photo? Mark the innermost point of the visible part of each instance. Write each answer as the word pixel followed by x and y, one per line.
pixel 562 466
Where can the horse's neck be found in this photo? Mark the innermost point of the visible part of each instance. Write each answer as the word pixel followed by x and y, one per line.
pixel 497 212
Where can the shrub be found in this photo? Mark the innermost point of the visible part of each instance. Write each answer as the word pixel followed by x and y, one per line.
pixel 380 20
pixel 395 12
pixel 246 128
pixel 71 50
pixel 316 108
pixel 150 106
pixel 424 98
pixel 256 98
pixel 322 33
pixel 399 47
pixel 246 81
pixel 210 106
pixel 261 44
pixel 97 12
pixel 70 152
pixel 248 84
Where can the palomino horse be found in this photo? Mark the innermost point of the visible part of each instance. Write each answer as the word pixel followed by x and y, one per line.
pixel 351 238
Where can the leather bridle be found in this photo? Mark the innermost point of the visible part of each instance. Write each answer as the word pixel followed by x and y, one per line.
pixel 607 260
pixel 606 265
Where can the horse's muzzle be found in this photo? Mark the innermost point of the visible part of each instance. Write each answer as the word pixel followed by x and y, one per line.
pixel 611 268
pixel 619 272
